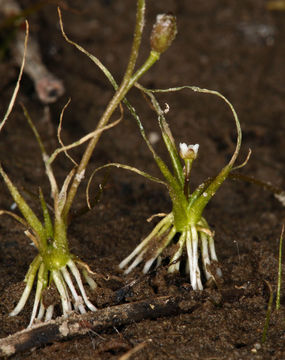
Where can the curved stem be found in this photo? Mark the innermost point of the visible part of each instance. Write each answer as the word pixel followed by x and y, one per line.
pixel 117 98
pixel 167 137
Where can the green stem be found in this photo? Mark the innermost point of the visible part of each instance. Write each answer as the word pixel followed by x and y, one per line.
pixel 47 219
pixel 179 208
pixel 279 270
pixel 168 140
pixel 152 59
pixel 188 167
pixel 176 164
pixel 60 238
pixel 117 98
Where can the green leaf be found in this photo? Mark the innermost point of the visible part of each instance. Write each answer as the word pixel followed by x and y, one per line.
pixel 47 218
pixel 26 211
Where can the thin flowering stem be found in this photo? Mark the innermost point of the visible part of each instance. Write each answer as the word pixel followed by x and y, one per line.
pixel 122 166
pixel 168 140
pixel 113 104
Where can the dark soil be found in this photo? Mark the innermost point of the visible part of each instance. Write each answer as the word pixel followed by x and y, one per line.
pixel 237 48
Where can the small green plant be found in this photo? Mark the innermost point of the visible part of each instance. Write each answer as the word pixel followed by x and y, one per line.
pixel 55 264
pixel 186 218
pixel 278 293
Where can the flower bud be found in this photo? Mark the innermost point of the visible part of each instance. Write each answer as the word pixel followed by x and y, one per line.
pixel 188 152
pixel 163 32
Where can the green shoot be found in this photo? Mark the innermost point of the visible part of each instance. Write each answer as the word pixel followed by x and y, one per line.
pixel 279 270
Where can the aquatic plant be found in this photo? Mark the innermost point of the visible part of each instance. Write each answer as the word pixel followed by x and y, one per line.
pixel 185 219
pixel 55 264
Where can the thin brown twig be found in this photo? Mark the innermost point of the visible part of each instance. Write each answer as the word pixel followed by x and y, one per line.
pixel 134 350
pixel 99 321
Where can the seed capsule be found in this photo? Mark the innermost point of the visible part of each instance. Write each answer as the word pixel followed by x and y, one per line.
pixel 163 32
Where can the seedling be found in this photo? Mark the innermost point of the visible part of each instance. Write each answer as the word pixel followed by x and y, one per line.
pixel 55 264
pixel 185 219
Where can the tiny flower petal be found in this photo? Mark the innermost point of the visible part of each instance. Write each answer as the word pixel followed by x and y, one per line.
pixel 188 152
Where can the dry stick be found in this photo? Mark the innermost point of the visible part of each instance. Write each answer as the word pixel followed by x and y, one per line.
pixel 132 351
pixel 17 87
pixel 99 321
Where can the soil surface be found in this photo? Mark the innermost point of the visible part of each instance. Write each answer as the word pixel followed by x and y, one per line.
pixel 237 48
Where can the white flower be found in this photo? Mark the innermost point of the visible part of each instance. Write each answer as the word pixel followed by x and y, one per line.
pixel 188 151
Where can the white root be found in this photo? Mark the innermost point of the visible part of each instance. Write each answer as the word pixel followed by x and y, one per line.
pixel 89 280
pixel 175 262
pixel 142 248
pixel 40 286
pixel 76 274
pixel 49 313
pixel 158 229
pixel 30 281
pixel 197 239
pixel 136 262
pixel 205 255
pixel 41 312
pixel 196 270
pixel 65 285
pixel 213 254
pixel 190 256
pixel 78 302
pixel 60 285
pixel 148 264
pixel 164 244
pixel 23 299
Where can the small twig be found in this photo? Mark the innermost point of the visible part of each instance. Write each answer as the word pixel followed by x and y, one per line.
pixel 16 90
pixel 134 350
pixel 99 321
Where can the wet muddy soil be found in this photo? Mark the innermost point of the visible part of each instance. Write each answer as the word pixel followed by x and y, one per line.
pixel 237 48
